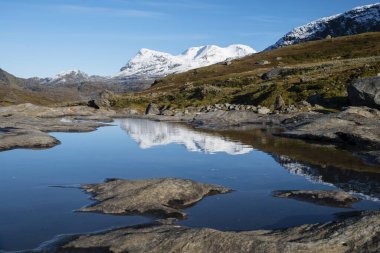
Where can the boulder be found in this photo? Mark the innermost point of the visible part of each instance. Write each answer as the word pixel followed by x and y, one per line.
pixel 152 109
pixel 365 92
pixel 264 62
pixel 167 112
pixel 279 103
pixel 162 197
pixel 263 110
pixel 105 99
pixel 272 74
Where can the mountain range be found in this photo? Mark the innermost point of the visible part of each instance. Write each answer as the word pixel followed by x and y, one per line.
pixel 358 20
pixel 150 63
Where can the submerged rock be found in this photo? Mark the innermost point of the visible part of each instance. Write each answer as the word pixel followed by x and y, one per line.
pixel 355 234
pixel 163 197
pixel 320 197
pixel 365 92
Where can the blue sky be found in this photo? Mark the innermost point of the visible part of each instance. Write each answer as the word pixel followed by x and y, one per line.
pixel 43 37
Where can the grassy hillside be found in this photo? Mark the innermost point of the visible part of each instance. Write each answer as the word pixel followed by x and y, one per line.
pixel 318 70
pixel 12 92
pixel 8 80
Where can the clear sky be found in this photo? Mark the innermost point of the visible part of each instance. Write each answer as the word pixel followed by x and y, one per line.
pixel 44 37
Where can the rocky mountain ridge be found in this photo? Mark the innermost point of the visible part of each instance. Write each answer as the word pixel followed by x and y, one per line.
pixel 358 20
pixel 150 63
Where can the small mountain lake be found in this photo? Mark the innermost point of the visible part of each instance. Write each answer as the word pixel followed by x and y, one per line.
pixel 250 161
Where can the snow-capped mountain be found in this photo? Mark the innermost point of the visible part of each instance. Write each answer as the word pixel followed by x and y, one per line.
pixel 151 134
pixel 358 20
pixel 149 63
pixel 74 76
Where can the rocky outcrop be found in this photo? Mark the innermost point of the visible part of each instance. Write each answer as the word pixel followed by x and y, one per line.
pixel 162 197
pixel 26 125
pixel 12 138
pixel 320 197
pixel 226 119
pixel 104 100
pixel 279 103
pixel 272 74
pixel 355 234
pixel 357 126
pixel 358 20
pixel 365 92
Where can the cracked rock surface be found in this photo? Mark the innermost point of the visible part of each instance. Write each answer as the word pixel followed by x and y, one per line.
pixel 161 197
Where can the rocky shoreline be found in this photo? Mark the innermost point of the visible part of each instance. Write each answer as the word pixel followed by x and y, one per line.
pixel 356 127
pixel 357 232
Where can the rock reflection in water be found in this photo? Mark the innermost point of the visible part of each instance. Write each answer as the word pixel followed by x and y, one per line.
pixel 365 184
pixel 151 133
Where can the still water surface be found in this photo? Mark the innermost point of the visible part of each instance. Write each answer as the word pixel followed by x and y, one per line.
pixel 251 162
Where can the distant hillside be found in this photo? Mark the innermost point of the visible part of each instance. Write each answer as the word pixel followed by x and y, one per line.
pixel 9 80
pixel 359 20
pixel 11 91
pixel 317 70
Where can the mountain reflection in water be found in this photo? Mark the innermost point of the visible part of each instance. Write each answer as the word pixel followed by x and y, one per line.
pixel 319 164
pixel 152 133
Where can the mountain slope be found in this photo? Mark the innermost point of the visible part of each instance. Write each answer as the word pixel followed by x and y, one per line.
pixel 359 20
pixel 316 71
pixel 9 80
pixel 150 64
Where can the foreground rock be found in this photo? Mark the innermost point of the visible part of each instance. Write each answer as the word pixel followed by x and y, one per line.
pixel 355 234
pixel 320 197
pixel 365 92
pixel 163 197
